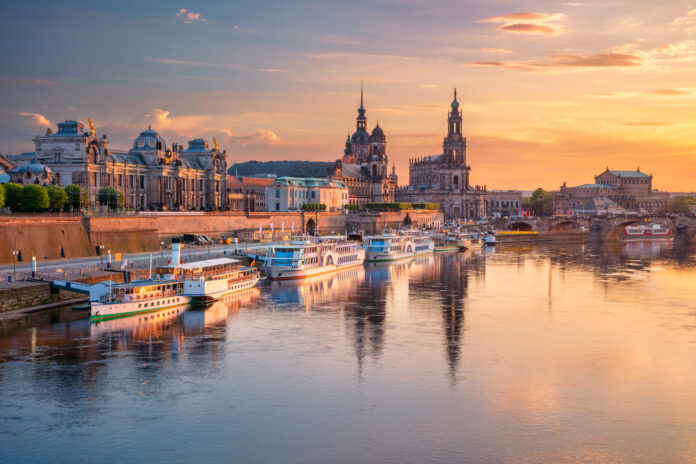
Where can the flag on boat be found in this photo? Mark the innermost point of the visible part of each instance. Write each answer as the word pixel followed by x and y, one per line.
pixel 124 264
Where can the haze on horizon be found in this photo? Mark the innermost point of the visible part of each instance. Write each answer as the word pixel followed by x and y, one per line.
pixel 550 91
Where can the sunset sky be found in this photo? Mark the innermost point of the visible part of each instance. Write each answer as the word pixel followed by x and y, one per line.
pixel 550 91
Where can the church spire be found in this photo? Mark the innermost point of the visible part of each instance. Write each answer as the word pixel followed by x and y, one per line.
pixel 361 122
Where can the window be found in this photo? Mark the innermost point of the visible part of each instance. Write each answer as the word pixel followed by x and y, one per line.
pixel 142 182
pixel 277 193
pixel 277 206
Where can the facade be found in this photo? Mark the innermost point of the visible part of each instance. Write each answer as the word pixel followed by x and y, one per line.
pixel 364 167
pixel 247 194
pixel 504 203
pixel 618 190
pixel 444 178
pixel 150 175
pixel 290 193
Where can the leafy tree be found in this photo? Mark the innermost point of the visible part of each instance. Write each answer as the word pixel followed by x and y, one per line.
pixel 57 197
pixel 2 196
pixel 77 197
pixel 34 198
pixel 681 205
pixel 13 196
pixel 111 197
pixel 541 202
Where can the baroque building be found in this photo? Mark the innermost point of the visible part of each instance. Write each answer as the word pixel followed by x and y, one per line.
pixel 150 175
pixel 444 178
pixel 616 191
pixel 363 169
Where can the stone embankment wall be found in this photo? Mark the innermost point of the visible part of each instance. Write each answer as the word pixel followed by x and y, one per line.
pixel 46 236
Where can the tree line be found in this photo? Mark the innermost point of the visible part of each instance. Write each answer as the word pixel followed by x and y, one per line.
pixel 33 198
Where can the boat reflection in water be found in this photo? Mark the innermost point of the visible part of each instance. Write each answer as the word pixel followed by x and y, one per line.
pixel 140 326
pixel 645 248
pixel 218 312
pixel 315 290
pixel 413 267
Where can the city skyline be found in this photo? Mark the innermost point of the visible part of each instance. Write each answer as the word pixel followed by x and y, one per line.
pixel 558 90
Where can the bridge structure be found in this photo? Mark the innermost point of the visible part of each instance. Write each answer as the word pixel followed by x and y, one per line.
pixel 601 227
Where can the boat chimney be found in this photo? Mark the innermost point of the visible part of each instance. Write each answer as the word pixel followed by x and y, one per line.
pixel 176 252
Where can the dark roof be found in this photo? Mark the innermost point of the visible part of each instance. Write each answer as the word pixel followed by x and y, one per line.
pixel 283 168
pixel 355 171
pixel 629 173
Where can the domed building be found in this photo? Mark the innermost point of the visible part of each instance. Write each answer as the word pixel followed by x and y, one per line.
pixel 32 172
pixel 151 174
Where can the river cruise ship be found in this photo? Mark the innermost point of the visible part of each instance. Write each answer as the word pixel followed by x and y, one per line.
pixel 647 232
pixel 391 246
pixel 310 256
pixel 210 280
pixel 146 296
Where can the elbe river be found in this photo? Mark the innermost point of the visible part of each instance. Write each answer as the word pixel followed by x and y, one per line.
pixel 552 353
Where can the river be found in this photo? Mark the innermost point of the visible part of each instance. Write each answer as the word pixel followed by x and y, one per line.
pixel 551 353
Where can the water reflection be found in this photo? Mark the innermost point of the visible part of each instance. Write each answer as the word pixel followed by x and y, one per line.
pixel 522 354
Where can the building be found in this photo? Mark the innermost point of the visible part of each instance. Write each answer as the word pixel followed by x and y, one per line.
pixel 504 203
pixel 31 173
pixel 444 178
pixel 290 193
pixel 150 175
pixel 364 167
pixel 624 190
pixel 247 194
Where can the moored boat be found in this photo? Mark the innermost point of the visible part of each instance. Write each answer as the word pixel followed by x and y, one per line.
pixel 391 246
pixel 310 256
pixel 144 296
pixel 647 232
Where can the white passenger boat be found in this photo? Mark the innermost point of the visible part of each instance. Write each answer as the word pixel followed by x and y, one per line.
pixel 490 238
pixel 391 246
pixel 209 280
pixel 110 300
pixel 309 256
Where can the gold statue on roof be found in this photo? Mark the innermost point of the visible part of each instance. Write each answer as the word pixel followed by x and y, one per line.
pixel 215 144
pixel 91 125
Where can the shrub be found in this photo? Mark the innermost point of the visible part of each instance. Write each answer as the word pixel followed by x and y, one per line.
pixel 13 196
pixel 77 197
pixel 111 197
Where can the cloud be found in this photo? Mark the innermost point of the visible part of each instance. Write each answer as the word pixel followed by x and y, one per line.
pixel 497 50
pixel 177 61
pixel 40 82
pixel 256 138
pixel 528 23
pixel 189 17
pixel 599 60
pixel 668 92
pixel 428 86
pixel 37 120
pixel 686 23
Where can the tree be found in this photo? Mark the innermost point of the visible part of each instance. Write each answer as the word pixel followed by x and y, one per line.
pixel 57 197
pixel 681 205
pixel 2 196
pixel 541 202
pixel 13 196
pixel 34 198
pixel 77 196
pixel 111 197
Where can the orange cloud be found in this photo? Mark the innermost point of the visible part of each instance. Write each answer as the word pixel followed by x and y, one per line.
pixel 668 92
pixel 599 60
pixel 188 16
pixel 528 23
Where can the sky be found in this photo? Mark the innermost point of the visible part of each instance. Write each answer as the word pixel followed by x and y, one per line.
pixel 551 91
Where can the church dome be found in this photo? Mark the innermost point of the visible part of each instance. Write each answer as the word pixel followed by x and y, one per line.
pixel 360 136
pixel 377 132
pixel 149 140
pixel 455 103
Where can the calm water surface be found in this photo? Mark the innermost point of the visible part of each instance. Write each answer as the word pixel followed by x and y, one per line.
pixel 574 353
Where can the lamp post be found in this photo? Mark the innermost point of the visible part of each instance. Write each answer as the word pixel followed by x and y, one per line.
pixel 162 254
pixel 14 255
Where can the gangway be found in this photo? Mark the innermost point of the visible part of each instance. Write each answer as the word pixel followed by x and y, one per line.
pixel 70 286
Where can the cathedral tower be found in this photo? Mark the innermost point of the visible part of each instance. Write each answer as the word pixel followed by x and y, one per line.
pixel 454 145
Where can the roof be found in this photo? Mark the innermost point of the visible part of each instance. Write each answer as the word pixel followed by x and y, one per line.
pixel 208 263
pixel 308 182
pixel 598 186
pixel 355 171
pixel 636 173
pixel 4 178
pixel 283 168
pixel 33 166
pixel 124 158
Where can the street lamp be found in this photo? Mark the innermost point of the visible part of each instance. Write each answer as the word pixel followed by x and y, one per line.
pixel 162 253
pixel 14 255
